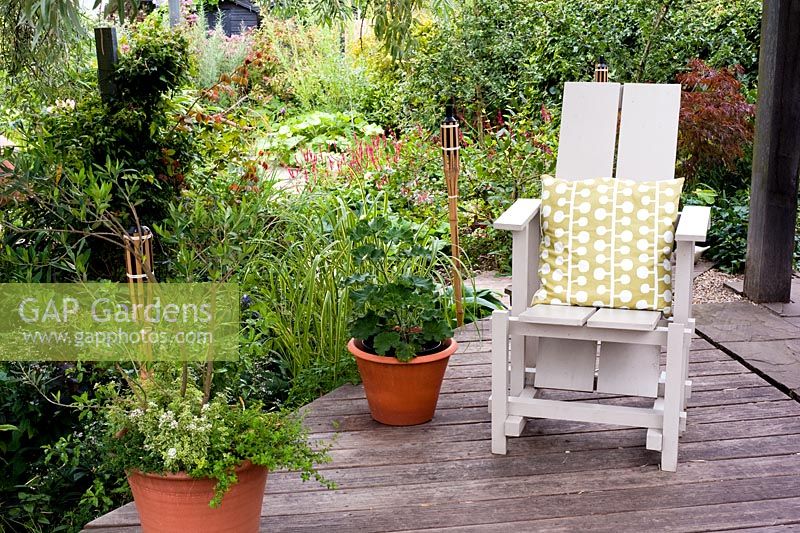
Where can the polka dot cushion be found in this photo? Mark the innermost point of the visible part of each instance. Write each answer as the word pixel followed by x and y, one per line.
pixel 607 243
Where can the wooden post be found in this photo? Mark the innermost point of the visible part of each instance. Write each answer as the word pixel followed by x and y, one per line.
pixel 450 156
pixel 105 41
pixel 776 156
pixel 174 13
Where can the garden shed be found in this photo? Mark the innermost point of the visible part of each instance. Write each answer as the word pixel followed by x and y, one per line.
pixel 237 16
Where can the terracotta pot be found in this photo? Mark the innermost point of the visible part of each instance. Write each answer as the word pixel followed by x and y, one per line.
pixel 172 503
pixel 402 394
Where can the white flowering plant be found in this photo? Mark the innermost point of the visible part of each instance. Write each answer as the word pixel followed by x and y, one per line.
pixel 164 428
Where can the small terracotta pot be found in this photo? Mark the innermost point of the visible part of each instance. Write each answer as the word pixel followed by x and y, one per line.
pixel 173 503
pixel 402 394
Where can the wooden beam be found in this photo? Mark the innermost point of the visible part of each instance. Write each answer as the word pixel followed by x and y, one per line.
pixel 776 156
pixel 106 47
pixel 174 12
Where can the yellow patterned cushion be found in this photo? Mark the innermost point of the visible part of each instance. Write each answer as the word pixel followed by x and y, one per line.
pixel 607 243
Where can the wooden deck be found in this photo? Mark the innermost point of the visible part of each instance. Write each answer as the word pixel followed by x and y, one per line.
pixel 765 338
pixel 739 464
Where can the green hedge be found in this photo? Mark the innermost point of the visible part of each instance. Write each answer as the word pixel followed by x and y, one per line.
pixel 493 55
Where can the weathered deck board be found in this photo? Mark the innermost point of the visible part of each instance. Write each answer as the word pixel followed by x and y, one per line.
pixel 738 466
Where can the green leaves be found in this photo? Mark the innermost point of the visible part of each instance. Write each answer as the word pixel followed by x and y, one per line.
pixel 157 63
pixel 436 330
pixel 392 21
pixel 727 236
pixel 318 131
pixel 366 326
pixel 35 34
pixel 398 309
pixel 386 341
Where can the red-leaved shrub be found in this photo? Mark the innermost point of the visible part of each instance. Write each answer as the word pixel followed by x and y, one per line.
pixel 716 121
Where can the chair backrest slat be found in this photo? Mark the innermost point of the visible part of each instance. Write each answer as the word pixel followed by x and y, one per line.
pixel 588 130
pixel 648 133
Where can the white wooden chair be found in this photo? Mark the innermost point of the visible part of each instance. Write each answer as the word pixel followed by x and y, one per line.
pixel 614 351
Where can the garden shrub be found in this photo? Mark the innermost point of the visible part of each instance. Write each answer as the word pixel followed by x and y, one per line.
pixel 54 478
pixel 727 236
pixel 90 158
pixel 507 165
pixel 716 126
pixel 156 63
pixel 304 67
pixel 380 102
pixel 719 32
pixel 216 53
pixel 494 56
pixel 309 134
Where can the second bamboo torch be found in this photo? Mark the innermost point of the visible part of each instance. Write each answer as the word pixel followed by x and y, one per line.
pixel 450 154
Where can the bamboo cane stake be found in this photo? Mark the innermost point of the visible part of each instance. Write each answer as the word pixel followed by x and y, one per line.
pixel 139 270
pixel 452 167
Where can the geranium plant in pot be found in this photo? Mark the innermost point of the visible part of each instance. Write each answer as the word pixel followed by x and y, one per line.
pixel 400 324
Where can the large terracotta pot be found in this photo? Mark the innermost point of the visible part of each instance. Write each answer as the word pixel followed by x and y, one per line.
pixel 172 503
pixel 402 394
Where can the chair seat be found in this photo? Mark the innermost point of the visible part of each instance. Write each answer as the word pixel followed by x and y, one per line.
pixel 569 315
pixel 560 315
pixel 629 319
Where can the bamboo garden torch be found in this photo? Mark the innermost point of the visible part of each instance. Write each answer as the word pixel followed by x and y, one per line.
pixel 601 70
pixel 450 156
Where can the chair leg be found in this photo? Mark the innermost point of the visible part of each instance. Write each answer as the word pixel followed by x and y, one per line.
pixel 500 380
pixel 517 360
pixel 518 356
pixel 673 396
pixel 687 391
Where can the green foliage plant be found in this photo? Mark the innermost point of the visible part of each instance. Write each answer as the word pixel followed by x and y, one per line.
pixel 299 297
pixel 36 37
pixel 315 132
pixel 85 158
pixel 157 62
pixel 161 428
pixel 216 53
pixel 305 67
pixel 55 477
pixel 398 308
pixel 505 165
pixel 289 253
pixel 478 303
pixel 498 55
pixel 392 21
pixel 727 237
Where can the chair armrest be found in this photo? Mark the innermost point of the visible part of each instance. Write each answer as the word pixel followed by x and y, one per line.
pixel 518 216
pixel 693 224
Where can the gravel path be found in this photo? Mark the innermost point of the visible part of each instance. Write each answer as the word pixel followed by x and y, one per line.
pixel 709 288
